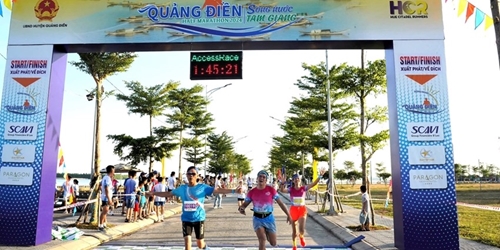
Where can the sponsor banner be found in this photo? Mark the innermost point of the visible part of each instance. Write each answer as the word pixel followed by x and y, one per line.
pixel 23 118
pixel 428 179
pixel 426 155
pixel 16 176
pixel 20 131
pixel 205 21
pixel 425 131
pixel 18 153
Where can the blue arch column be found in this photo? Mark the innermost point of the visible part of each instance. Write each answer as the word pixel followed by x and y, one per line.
pixel 30 118
pixel 424 195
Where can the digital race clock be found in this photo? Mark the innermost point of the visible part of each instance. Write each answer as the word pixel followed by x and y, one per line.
pixel 216 65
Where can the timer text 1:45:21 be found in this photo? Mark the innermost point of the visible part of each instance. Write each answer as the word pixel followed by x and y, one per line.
pixel 216 69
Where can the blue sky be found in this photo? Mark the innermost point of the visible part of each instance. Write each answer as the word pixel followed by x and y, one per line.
pixel 243 109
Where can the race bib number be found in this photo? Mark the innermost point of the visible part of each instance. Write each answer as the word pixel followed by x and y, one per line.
pixel 190 206
pixel 299 201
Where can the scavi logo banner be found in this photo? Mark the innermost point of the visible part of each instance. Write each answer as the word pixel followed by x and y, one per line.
pixel 425 131
pixel 20 131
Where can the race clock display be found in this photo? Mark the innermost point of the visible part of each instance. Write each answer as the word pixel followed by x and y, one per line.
pixel 216 65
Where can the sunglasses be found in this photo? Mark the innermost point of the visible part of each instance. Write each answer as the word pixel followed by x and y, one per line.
pixel 262 176
pixel 191 174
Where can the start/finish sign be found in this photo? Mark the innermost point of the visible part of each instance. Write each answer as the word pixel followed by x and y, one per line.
pixel 216 65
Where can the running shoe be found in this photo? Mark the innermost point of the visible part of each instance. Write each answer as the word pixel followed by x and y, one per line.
pixel 302 241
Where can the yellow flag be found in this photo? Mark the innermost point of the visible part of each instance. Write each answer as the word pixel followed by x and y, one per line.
pixel 163 167
pixel 315 169
pixel 461 6
pixel 7 4
pixel 488 22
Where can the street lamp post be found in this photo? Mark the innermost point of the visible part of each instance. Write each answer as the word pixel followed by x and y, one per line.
pixel 330 146
pixel 208 93
pixel 90 97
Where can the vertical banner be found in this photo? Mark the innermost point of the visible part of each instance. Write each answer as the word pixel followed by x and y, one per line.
pixel 423 169
pixel 30 134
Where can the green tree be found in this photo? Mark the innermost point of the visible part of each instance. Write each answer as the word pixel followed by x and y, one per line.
pixel 460 171
pixel 341 175
pixel 348 166
pixel 158 146
pixel 384 176
pixel 242 165
pixel 100 66
pixel 221 153
pixel 147 101
pixel 360 83
pixel 311 112
pixel 186 105
pixel 200 128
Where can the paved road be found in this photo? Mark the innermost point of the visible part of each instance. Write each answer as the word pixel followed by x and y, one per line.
pixel 224 227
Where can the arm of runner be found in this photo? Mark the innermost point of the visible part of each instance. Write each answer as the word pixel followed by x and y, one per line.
pixel 311 185
pixel 347 196
pixel 243 206
pixel 160 194
pixel 283 188
pixel 285 210
pixel 224 191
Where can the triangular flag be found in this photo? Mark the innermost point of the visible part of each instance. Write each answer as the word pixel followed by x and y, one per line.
pixel 461 6
pixel 470 11
pixel 479 18
pixel 7 4
pixel 488 22
pixel 421 79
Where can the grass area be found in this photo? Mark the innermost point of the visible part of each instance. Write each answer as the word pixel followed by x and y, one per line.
pixel 474 224
pixel 372 228
pixel 92 225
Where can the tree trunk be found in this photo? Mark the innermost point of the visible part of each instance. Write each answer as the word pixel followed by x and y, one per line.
pixel 150 134
pixel 180 154
pixel 362 120
pixel 97 153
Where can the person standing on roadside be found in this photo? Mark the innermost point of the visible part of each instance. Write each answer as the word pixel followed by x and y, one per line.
pixel 364 216
pixel 106 195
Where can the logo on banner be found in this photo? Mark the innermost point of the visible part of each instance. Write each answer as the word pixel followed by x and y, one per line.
pixel 46 10
pixel 16 176
pixel 20 131
pixel 427 102
pixel 428 179
pixel 425 131
pixel 426 155
pixel 18 153
pixel 27 105
pixel 408 9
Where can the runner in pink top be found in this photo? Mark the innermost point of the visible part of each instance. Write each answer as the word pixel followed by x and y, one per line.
pixel 298 210
pixel 263 197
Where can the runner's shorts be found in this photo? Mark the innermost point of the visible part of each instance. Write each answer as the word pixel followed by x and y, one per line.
pixel 197 226
pixel 297 212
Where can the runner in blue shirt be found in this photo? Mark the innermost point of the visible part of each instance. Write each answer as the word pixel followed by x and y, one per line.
pixel 193 211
